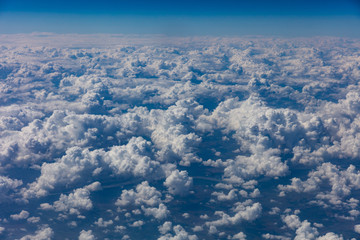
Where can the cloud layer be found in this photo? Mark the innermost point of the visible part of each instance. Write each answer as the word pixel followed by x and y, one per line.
pixel 190 138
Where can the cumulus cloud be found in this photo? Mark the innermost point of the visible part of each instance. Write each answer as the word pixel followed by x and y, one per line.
pixel 259 130
pixel 305 230
pixel 67 169
pixel 86 235
pixel 225 197
pixel 240 236
pixel 125 160
pixel 138 223
pixel 357 228
pixel 147 198
pixel 158 213
pixel 102 223
pixel 243 211
pixel 7 187
pixel 272 236
pixel 178 233
pixel 22 215
pixel 203 131
pixel 131 158
pixel 330 236
pixel 44 233
pixel 144 194
pixel 78 200
pixel 341 183
pixel 178 182
pixel 33 219
pixel 165 228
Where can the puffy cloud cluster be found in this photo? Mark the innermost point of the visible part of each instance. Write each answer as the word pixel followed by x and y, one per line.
pixel 66 170
pixel 305 230
pixel 123 135
pixel 131 158
pixel 340 182
pixel 240 236
pixel 77 164
pixel 179 233
pixel 102 223
pixel 7 187
pixel 178 182
pixel 44 233
pixel 243 211
pixel 145 197
pixel 22 215
pixel 75 201
pixel 86 235
pixel 261 133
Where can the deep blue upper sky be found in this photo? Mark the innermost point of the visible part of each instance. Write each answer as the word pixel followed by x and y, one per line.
pixel 186 17
pixel 188 7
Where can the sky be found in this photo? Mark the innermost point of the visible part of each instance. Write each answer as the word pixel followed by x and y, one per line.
pixel 125 135
pixel 212 17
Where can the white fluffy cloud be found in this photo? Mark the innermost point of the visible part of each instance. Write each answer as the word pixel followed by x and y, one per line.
pixel 78 164
pixel 357 228
pixel 44 233
pixel 243 211
pixel 8 183
pixel 341 183
pixel 165 228
pixel 86 235
pixel 178 182
pixel 103 223
pixel 22 215
pixel 330 236
pixel 144 194
pixel 70 168
pixel 240 236
pixel 159 213
pixel 259 131
pixel 130 159
pixel 179 234
pixel 7 187
pixel 203 133
pixel 78 200
pixel 305 230
pixel 145 197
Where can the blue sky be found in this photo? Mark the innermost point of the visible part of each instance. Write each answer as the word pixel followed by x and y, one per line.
pixel 212 17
